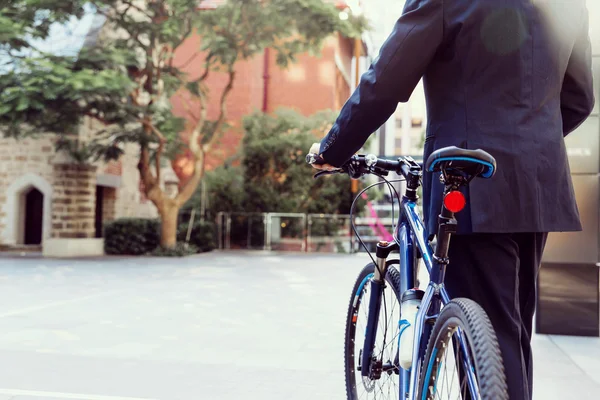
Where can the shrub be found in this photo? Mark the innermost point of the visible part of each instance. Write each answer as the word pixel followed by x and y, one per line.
pixel 202 236
pixel 131 236
pixel 180 250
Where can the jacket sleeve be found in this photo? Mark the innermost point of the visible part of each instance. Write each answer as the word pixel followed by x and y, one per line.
pixel 577 94
pixel 391 79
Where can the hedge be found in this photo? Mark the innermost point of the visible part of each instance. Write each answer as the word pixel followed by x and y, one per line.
pixel 139 236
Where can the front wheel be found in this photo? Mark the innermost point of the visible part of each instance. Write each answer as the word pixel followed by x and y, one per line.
pixel 463 359
pixel 383 381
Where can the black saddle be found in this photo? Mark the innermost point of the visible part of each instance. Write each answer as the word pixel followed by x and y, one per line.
pixel 472 162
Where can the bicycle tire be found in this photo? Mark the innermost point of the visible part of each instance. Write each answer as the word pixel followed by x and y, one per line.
pixel 487 359
pixel 393 280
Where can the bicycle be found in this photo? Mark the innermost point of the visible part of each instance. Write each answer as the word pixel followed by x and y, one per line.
pixel 444 330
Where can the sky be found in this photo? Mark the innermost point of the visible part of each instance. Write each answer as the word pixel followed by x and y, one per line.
pixel 67 39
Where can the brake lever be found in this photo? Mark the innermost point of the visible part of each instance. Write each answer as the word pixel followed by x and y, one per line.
pixel 325 172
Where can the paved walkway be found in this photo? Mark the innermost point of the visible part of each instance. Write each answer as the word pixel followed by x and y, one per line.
pixel 220 326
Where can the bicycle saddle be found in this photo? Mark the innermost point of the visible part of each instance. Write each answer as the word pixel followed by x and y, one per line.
pixel 473 162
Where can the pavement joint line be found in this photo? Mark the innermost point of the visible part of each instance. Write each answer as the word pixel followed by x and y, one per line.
pixel 56 304
pixel 59 395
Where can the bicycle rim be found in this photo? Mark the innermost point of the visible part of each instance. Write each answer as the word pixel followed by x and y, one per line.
pixel 463 357
pixel 384 385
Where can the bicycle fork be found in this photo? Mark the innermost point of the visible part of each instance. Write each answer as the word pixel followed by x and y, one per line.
pixel 384 249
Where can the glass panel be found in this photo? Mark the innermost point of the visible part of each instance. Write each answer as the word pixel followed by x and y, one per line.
pixel 287 232
pixel 247 231
pixel 375 224
pixel 329 233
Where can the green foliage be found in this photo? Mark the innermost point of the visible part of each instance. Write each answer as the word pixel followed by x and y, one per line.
pixel 290 27
pixel 140 236
pixel 126 77
pixel 277 177
pixel 42 92
pixel 131 236
pixel 180 250
pixel 273 175
pixel 226 187
pixel 202 237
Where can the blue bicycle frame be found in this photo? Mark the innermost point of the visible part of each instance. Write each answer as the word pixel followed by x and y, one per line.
pixel 411 236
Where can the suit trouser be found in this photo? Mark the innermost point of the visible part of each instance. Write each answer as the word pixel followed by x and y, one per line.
pixel 499 271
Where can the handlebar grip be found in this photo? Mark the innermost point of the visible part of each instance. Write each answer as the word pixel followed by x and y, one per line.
pixel 387 164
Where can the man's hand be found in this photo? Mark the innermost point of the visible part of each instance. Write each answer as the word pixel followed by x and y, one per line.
pixel 314 149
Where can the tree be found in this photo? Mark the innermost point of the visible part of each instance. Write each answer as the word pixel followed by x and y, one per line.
pixel 273 175
pixel 125 79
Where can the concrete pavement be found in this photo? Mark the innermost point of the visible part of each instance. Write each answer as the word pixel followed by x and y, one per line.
pixel 217 326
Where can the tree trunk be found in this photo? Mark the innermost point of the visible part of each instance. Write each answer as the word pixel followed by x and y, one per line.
pixel 168 230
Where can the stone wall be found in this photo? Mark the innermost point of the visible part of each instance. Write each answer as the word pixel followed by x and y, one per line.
pixel 18 161
pixel 131 202
pixel 74 202
pixel 32 162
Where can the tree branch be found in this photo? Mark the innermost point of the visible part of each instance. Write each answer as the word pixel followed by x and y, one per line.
pixel 131 5
pixel 120 21
pixel 199 157
pixel 195 137
pixel 187 108
pixel 161 144
pixel 200 152
pixel 189 60
pixel 222 109
pixel 145 174
pixel 185 35
pixel 190 186
pixel 207 64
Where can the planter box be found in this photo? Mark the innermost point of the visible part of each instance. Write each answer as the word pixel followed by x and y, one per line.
pixel 86 247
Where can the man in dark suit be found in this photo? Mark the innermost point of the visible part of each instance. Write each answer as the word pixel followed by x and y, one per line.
pixel 511 77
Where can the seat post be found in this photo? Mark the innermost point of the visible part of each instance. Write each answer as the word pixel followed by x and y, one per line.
pixel 447 225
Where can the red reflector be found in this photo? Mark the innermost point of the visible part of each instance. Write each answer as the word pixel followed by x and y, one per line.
pixel 455 201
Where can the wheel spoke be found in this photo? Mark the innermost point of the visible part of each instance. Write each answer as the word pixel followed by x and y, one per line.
pixel 446 369
pixel 456 351
pixel 383 350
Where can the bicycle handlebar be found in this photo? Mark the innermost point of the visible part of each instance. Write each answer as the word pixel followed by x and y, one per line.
pixel 359 165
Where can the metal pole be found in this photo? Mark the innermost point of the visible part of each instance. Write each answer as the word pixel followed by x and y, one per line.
pixel 304 246
pixel 248 239
pixel 220 229
pixel 308 226
pixel 269 231
pixel 203 200
pixel 189 230
pixel 228 232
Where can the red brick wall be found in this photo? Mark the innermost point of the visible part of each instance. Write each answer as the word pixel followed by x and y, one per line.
pixel 308 86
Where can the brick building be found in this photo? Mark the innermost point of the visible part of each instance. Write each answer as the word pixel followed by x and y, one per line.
pixel 45 198
pixel 308 86
pixel 48 201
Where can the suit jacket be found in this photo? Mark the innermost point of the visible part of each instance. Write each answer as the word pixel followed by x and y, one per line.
pixel 511 77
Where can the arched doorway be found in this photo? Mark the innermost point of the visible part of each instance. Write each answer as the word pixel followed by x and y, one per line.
pixel 34 216
pixel 28 206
